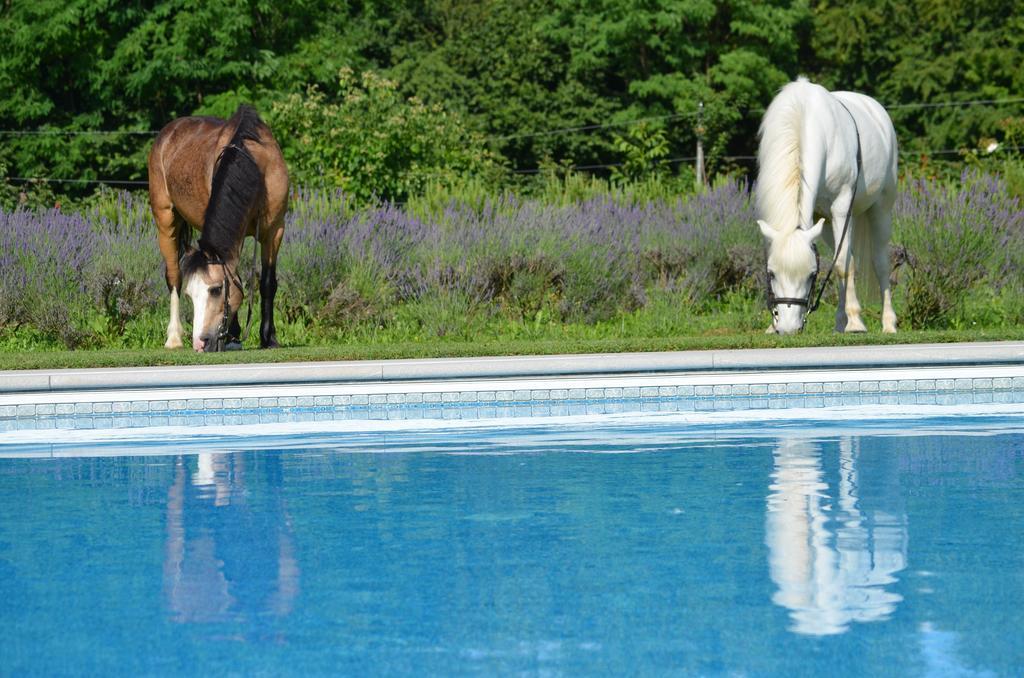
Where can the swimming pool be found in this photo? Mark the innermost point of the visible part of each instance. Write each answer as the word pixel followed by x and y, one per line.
pixel 851 539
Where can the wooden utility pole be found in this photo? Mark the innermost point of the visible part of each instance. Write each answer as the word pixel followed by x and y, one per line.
pixel 700 146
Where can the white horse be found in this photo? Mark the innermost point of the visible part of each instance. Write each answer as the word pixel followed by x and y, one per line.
pixel 830 154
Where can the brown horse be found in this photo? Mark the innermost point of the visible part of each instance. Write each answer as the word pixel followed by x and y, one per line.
pixel 228 180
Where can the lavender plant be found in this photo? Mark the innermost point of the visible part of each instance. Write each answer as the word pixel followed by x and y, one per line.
pixel 123 278
pixel 460 268
pixel 575 262
pixel 958 238
pixel 41 280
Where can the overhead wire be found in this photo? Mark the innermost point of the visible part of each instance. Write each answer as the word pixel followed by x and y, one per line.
pixel 738 158
pixel 551 132
pixel 588 128
pixel 74 132
pixel 975 102
pixel 29 180
pixel 522 170
pixel 534 170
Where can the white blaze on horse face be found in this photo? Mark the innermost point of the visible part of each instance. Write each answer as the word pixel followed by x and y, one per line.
pixel 207 288
pixel 199 291
pixel 791 267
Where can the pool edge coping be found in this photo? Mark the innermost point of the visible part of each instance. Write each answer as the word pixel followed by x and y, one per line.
pixel 516 367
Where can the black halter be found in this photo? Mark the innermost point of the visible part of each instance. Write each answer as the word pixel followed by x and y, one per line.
pixel 774 301
pixel 224 331
pixel 232 278
pixel 806 302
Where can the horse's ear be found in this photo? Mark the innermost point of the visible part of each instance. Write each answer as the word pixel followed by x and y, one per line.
pixel 814 232
pixel 766 229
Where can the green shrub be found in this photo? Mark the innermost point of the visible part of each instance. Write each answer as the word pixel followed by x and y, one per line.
pixel 374 143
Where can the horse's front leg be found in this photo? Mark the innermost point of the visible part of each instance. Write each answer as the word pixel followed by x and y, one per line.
pixel 848 318
pixel 841 305
pixel 174 323
pixel 234 340
pixel 848 309
pixel 167 235
pixel 854 323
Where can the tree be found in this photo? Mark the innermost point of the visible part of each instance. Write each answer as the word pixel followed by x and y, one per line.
pixel 124 67
pixel 523 67
pixel 518 72
pixel 926 52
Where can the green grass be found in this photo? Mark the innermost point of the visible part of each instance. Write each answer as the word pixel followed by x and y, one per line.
pixel 436 330
pixel 32 359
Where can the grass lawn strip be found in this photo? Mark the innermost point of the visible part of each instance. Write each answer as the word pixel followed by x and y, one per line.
pixel 160 356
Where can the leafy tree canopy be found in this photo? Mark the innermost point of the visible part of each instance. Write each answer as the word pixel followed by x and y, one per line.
pixel 511 72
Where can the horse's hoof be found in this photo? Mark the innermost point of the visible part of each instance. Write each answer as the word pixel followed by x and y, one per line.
pixel 233 345
pixel 270 344
pixel 855 326
pixel 174 343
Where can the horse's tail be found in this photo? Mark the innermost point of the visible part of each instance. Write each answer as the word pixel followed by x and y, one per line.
pixel 864 262
pixel 238 191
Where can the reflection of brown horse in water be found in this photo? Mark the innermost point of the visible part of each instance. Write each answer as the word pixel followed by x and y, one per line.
pixel 227 179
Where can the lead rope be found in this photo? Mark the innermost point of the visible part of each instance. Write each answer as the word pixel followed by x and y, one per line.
pixel 849 213
pixel 236 280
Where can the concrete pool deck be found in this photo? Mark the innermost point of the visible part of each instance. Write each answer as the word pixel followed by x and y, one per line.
pixel 902 356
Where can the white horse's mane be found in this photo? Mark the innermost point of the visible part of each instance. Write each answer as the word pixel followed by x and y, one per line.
pixel 778 159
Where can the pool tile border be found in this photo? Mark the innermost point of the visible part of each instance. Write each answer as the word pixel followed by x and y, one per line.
pixel 514 397
pixel 498 411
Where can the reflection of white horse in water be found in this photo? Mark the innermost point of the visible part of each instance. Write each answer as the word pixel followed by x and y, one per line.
pixel 831 564
pixel 830 154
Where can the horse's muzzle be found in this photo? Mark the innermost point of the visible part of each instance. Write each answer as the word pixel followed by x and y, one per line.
pixel 205 344
pixel 789 330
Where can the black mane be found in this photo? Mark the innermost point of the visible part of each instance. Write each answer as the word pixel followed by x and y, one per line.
pixel 237 195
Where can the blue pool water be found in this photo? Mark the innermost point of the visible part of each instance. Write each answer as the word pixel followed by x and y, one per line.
pixel 643 547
